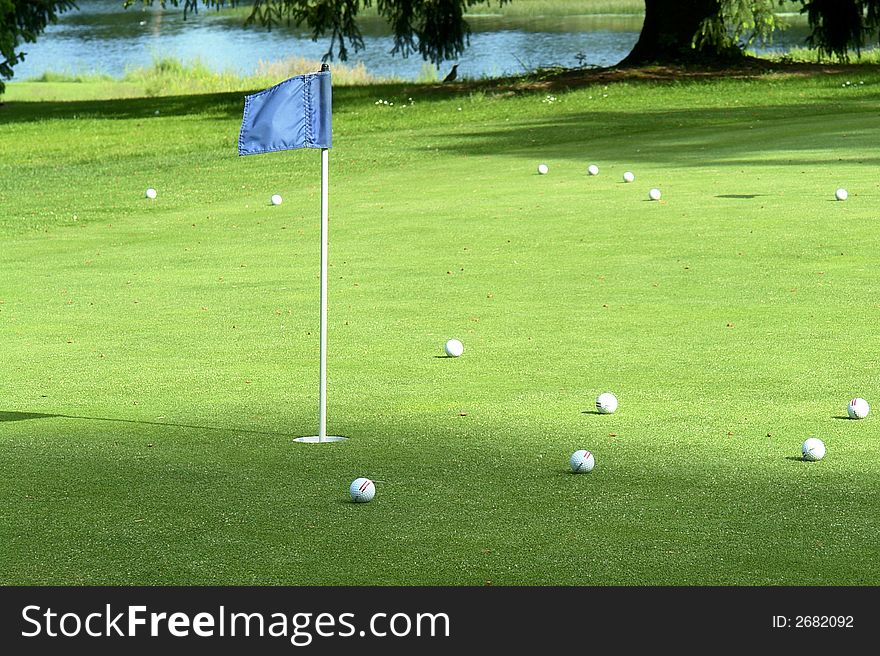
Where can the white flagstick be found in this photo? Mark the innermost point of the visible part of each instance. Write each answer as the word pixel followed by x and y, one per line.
pixel 322 388
pixel 325 225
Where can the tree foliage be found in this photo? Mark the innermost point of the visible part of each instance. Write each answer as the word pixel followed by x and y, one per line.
pixel 839 26
pixel 435 29
pixel 738 23
pixel 21 21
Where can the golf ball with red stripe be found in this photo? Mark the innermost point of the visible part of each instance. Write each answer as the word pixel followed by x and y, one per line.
pixel 857 408
pixel 582 461
pixel 362 490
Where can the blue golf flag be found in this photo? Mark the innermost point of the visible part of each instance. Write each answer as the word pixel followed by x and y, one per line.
pixel 292 114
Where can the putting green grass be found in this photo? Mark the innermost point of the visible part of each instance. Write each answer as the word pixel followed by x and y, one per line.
pixel 160 356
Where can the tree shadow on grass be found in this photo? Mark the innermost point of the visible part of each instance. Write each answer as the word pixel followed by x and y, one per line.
pixel 732 137
pixel 20 416
pixel 225 105
pixel 220 105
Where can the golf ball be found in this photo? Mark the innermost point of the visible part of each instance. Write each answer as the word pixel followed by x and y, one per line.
pixel 276 199
pixel 654 194
pixel 453 348
pixel 362 490
pixel 813 449
pixel 857 409
pixel 151 193
pixel 841 194
pixel 593 169
pixel 606 403
pixel 542 169
pixel 628 176
pixel 582 461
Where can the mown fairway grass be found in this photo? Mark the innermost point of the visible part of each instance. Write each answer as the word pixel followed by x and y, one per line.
pixel 159 356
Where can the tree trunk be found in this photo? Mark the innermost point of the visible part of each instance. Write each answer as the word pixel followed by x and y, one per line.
pixel 669 29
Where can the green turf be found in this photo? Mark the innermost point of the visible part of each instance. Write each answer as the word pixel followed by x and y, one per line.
pixel 159 356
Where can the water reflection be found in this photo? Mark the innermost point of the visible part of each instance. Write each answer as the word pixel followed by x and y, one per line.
pixel 103 37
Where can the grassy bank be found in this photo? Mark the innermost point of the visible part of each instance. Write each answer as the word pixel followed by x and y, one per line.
pixel 535 8
pixel 522 8
pixel 161 355
pixel 169 76
pixel 528 8
pixel 805 55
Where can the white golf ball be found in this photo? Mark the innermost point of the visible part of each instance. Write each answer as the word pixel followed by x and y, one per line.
pixel 362 490
pixel 542 169
pixel 628 176
pixel 151 193
pixel 813 449
pixel 592 169
pixel 453 348
pixel 582 461
pixel 276 199
pixel 857 408
pixel 841 194
pixel 654 194
pixel 606 403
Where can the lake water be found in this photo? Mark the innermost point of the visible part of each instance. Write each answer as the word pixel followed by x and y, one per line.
pixel 105 38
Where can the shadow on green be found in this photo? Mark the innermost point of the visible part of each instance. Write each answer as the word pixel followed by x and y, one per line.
pixel 21 416
pixel 219 105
